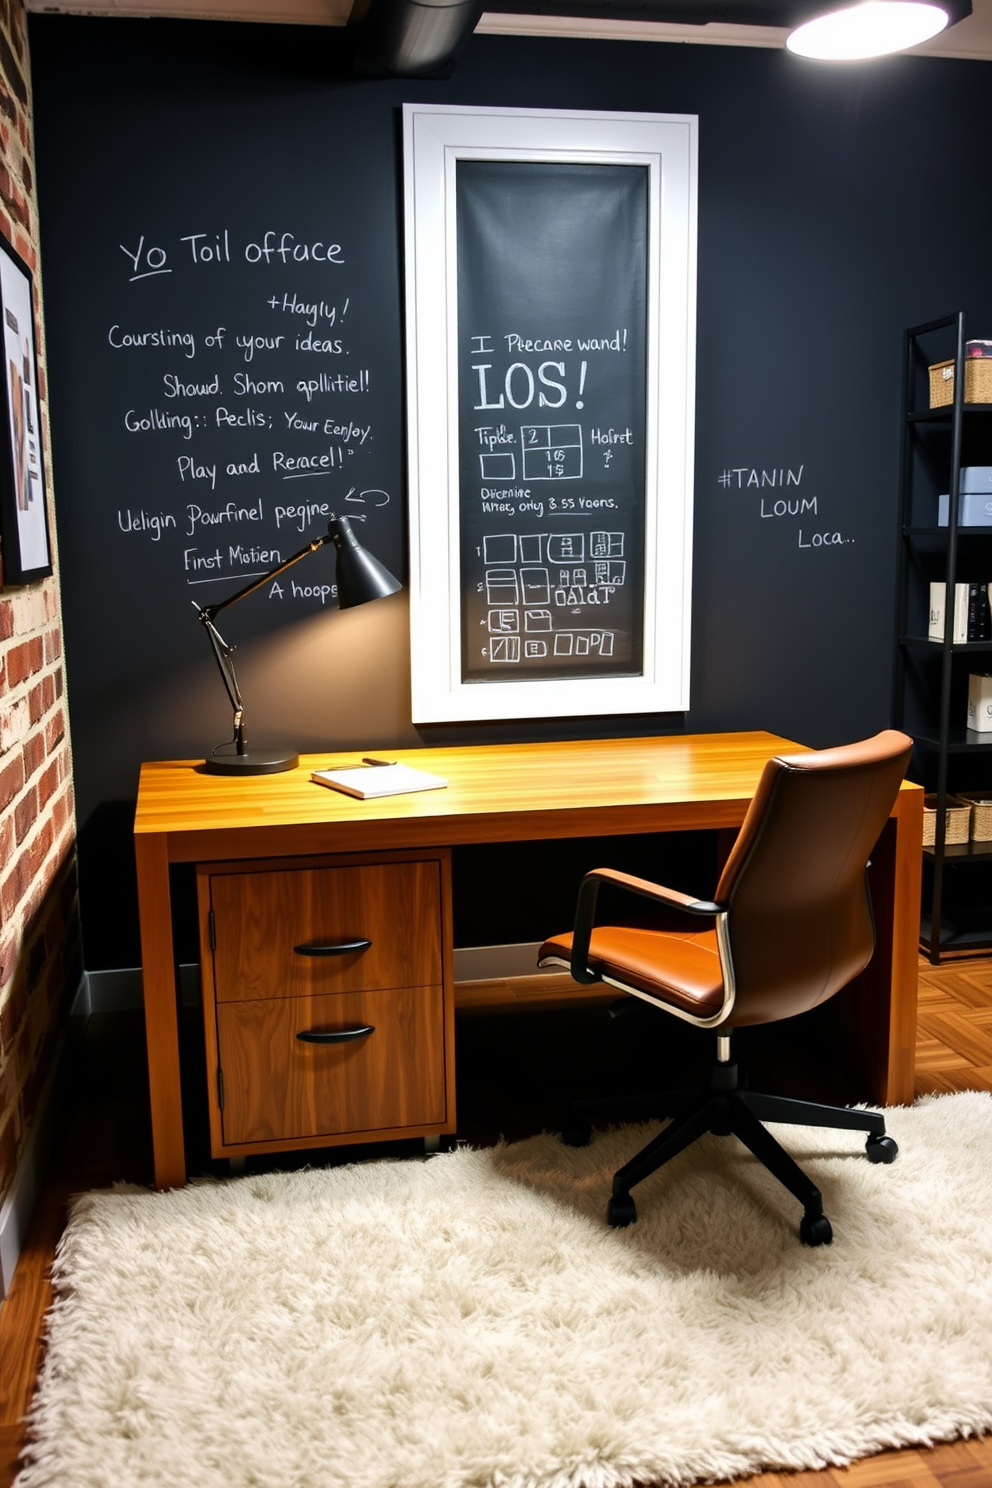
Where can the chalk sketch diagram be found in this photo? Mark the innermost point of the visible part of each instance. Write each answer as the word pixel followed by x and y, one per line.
pixel 551 451
pixel 500 547
pixel 504 649
pixel 498 466
pixel 537 620
pixel 501 587
pixel 503 622
pixel 567 547
pixel 536 585
pixel 606 545
pixel 583 642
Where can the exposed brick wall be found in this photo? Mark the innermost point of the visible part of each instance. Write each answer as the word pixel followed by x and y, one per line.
pixel 39 935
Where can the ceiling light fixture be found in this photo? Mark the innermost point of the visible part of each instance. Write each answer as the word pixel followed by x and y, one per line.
pixel 871 29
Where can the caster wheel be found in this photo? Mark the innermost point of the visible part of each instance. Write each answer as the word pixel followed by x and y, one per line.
pixel 621 1212
pixel 881 1149
pixel 577 1135
pixel 815 1230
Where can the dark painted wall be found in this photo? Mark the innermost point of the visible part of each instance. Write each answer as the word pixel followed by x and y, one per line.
pixel 836 205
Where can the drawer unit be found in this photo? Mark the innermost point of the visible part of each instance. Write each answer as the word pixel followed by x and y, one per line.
pixel 297 931
pixel 348 1064
pixel 327 1000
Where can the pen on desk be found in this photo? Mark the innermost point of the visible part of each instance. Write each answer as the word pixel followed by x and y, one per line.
pixel 369 760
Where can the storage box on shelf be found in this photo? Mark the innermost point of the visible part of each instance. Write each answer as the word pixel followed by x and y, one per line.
pixel 957 820
pixel 974 497
pixel 977 376
pixel 979 715
pixel 981 817
pixel 972 617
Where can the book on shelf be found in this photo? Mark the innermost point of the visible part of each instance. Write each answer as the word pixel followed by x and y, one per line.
pixel 972 618
pixel 368 781
pixel 979 617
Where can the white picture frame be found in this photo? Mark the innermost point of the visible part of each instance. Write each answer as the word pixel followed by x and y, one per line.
pixel 436 138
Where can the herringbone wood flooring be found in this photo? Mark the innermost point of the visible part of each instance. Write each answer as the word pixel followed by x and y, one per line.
pixel 954 1052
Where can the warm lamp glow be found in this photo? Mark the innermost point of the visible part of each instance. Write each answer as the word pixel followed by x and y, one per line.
pixel 871 29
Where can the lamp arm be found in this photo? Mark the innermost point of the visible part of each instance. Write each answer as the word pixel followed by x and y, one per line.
pixel 206 613
pixel 223 653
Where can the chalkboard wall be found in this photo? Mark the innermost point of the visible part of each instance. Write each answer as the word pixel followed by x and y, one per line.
pixel 221 229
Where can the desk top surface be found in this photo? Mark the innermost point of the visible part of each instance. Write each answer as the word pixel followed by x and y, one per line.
pixel 495 792
pixel 683 769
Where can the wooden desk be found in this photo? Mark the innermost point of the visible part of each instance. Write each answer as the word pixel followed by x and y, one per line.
pixel 504 793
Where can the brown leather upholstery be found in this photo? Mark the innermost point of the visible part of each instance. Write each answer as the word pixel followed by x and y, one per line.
pixel 683 969
pixel 794 888
pixel 799 914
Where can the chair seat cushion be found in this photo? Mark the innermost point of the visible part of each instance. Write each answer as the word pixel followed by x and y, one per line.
pixel 681 969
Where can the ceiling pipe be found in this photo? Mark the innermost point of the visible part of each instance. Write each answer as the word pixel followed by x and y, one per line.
pixel 411 38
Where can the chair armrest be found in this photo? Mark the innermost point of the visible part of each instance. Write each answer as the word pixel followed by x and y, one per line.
pixel 649 890
pixel 585 910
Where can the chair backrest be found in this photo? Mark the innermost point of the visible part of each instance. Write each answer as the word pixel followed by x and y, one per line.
pixel 800 917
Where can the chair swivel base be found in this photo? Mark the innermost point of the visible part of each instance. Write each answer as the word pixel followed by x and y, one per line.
pixel 725 1109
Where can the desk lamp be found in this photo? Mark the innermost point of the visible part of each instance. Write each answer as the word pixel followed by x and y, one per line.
pixel 360 577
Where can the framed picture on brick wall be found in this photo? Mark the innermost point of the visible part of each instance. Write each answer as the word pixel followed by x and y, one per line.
pixel 26 546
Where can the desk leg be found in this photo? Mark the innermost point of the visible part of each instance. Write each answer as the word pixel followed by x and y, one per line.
pixel 877 1013
pixel 161 1015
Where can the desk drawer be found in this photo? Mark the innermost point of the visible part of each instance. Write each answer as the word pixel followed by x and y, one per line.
pixel 278 1087
pixel 283 933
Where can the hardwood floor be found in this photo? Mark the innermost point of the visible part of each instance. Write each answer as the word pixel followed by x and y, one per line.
pixel 954 1027
pixel 106 1139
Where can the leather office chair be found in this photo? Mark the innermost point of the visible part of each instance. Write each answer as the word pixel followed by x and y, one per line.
pixel 790 926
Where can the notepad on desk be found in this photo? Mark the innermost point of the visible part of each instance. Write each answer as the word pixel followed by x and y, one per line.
pixel 367 781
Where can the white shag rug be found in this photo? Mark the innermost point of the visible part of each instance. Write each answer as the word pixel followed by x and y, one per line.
pixel 470 1321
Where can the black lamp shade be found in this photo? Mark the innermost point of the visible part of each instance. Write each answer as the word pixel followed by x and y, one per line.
pixel 360 576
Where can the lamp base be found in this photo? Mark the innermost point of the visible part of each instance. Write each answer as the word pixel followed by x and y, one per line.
pixel 255 762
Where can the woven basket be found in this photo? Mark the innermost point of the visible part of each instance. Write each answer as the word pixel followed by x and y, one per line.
pixel 958 818
pixel 977 382
pixel 981 817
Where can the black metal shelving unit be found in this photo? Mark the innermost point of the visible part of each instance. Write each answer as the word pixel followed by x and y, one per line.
pixel 931 677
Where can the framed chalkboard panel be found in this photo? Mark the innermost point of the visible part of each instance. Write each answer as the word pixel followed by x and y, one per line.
pixel 550 317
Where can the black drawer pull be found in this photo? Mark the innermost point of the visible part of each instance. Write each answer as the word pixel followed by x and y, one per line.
pixel 343 1036
pixel 332 948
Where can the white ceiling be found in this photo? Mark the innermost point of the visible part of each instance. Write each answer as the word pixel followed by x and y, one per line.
pixel 970 38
